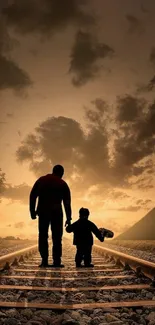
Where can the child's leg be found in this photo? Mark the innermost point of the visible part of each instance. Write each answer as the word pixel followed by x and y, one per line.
pixel 87 254
pixel 79 255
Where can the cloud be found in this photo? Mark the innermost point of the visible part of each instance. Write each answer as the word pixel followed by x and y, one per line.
pixel 150 85
pixel 129 208
pixel 2 182
pixel 138 205
pixel 143 202
pixel 144 9
pixel 62 140
pixel 97 156
pixel 25 152
pixel 18 193
pixel 19 225
pixel 116 225
pixel 46 16
pixel 85 56
pixel 136 136
pixel 135 25
pixel 152 56
pixel 118 195
pixel 129 108
pixel 144 183
pixel 10 115
pixel 11 76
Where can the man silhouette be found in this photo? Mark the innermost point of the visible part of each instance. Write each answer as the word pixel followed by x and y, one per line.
pixel 51 190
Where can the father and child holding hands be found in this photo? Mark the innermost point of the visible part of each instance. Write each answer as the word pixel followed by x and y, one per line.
pixel 50 191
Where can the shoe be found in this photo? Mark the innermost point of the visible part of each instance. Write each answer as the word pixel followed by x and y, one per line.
pixel 79 265
pixel 89 265
pixel 44 264
pixel 57 265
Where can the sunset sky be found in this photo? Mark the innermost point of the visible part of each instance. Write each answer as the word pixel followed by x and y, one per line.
pixel 77 81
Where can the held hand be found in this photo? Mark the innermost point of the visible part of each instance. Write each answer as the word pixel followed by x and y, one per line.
pixel 67 223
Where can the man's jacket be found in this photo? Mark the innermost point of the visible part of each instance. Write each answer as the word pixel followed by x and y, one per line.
pixel 83 229
pixel 51 191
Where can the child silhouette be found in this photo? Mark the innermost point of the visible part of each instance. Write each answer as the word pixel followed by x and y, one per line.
pixel 83 238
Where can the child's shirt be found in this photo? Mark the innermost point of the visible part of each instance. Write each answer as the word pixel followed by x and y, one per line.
pixel 83 229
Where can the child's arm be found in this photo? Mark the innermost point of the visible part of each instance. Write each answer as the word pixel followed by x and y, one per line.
pixel 96 232
pixel 70 228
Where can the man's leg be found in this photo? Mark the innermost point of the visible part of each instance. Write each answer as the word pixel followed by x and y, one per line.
pixel 43 238
pixel 87 255
pixel 57 231
pixel 79 255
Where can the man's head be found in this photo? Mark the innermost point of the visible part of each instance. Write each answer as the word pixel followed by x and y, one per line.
pixel 58 170
pixel 83 213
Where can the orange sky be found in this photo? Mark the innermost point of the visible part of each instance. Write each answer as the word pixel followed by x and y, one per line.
pixel 122 43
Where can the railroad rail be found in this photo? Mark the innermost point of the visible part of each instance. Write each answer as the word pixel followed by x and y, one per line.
pixel 114 273
pixel 137 264
pixel 18 256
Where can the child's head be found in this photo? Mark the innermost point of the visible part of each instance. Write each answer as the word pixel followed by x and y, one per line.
pixel 83 213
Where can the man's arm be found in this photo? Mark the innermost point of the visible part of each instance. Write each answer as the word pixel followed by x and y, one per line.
pixel 67 203
pixel 32 200
pixel 96 232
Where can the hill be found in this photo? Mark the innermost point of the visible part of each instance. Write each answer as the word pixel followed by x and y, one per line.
pixel 144 229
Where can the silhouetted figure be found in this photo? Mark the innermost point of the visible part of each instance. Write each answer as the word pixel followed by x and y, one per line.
pixel 51 191
pixel 83 238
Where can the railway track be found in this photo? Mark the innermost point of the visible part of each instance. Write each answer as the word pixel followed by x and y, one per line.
pixel 117 282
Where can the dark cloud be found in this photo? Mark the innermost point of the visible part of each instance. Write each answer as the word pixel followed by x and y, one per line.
pixel 129 108
pixel 62 140
pixel 26 151
pixel 11 75
pixel 56 139
pixel 46 16
pixel 135 24
pixel 85 56
pixel 152 56
pixel 136 137
pixel 87 155
pixel 150 86
pixel 18 193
